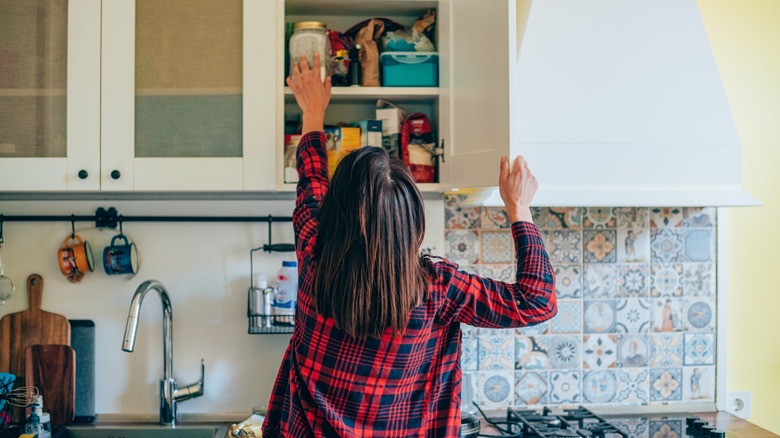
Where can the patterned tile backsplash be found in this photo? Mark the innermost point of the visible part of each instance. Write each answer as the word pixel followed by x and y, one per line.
pixel 636 315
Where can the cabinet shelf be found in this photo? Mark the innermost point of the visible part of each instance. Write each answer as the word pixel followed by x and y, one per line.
pixel 370 94
pixel 200 91
pixel 352 8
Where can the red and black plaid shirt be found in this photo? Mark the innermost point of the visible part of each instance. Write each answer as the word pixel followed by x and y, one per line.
pixel 331 384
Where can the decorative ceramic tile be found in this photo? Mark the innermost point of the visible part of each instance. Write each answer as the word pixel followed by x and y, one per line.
pixel 633 315
pixel 531 352
pixel 666 281
pixel 699 349
pixel 496 389
pixel 633 386
pixel 666 384
pixel 471 269
pixel 494 218
pixel 569 317
pixel 453 200
pixel 699 216
pixel 497 247
pixel 600 246
pixel 671 428
pixel 495 333
pixel 633 245
pixel 699 315
pixel 600 280
pixel 564 217
pixel 565 387
pixel 568 281
pixel 470 350
pixel 633 427
pixel 462 246
pixel 667 314
pixel 505 273
pixel 599 217
pixel 666 350
pixel 632 351
pixel 563 246
pixel 599 386
pixel 599 351
pixel 539 216
pixel 699 279
pixel 666 246
pixel 457 217
pixel 633 280
pixel 534 330
pixel 531 388
pixel 496 352
pixel 666 217
pixel 699 245
pixel 566 352
pixel 699 383
pixel 600 316
pixel 633 217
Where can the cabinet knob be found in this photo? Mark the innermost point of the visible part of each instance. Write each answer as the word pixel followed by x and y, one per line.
pixel 83 174
pixel 115 174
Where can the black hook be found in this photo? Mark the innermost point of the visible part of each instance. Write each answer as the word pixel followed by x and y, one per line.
pixel 1 229
pixel 121 219
pixel 73 226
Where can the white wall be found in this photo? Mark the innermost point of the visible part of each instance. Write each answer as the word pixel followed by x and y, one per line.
pixel 204 266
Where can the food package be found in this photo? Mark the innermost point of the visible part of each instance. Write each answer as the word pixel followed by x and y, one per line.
pixel 391 116
pixel 418 143
pixel 369 52
pixel 370 133
pixel 339 141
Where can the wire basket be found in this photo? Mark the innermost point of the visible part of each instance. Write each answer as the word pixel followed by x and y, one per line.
pixel 271 324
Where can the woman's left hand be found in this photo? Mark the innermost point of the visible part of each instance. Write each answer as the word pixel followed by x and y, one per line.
pixel 311 92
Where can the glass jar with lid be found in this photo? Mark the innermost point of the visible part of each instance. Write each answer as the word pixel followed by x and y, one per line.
pixel 308 38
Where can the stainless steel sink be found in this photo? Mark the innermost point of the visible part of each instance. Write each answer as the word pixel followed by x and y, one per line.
pixel 145 431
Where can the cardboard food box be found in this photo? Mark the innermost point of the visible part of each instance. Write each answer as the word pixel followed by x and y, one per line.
pixel 392 117
pixel 339 141
pixel 370 133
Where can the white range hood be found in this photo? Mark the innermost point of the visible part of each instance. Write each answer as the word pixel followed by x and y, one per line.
pixel 619 102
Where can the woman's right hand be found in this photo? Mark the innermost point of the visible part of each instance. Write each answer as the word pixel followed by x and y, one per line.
pixel 517 186
pixel 311 92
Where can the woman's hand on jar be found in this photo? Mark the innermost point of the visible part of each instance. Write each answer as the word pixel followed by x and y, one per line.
pixel 311 92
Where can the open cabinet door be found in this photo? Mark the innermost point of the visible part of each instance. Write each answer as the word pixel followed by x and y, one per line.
pixel 479 37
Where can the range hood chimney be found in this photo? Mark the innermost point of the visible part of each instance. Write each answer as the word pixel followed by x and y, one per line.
pixel 622 103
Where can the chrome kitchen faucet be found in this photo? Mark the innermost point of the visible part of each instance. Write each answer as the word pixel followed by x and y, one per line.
pixel 170 393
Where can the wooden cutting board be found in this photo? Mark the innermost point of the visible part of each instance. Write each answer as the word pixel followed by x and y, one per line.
pixel 52 369
pixel 30 327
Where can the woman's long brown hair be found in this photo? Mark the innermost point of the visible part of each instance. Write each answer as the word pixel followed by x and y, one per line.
pixel 372 221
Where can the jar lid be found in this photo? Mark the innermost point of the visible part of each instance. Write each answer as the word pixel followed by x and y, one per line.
pixel 309 25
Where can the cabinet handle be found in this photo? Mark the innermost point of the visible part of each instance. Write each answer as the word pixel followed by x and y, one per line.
pixel 83 174
pixel 115 174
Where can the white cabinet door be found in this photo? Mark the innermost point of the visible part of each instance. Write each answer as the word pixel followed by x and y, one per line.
pixel 49 95
pixel 478 37
pixel 188 95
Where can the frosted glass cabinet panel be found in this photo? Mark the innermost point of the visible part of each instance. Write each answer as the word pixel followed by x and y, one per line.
pixel 188 58
pixel 33 69
pixel 49 110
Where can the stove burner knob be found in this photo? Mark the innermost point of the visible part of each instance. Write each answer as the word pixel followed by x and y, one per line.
pixel 717 433
pixel 696 428
pixel 705 431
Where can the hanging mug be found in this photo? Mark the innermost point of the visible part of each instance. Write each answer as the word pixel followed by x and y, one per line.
pixel 75 258
pixel 120 257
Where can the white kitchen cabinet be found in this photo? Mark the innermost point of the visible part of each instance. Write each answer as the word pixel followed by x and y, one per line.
pixel 187 95
pixel 49 95
pixel 612 103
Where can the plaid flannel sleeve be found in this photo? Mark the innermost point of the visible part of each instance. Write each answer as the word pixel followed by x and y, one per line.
pixel 312 186
pixel 482 302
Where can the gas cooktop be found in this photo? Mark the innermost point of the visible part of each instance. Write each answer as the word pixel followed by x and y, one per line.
pixel 582 422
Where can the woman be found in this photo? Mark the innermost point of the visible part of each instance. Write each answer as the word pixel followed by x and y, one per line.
pixel 376 346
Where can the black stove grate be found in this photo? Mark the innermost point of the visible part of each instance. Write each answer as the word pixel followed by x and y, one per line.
pixel 579 422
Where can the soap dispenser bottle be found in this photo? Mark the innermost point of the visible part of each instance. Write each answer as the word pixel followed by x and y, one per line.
pixel 33 426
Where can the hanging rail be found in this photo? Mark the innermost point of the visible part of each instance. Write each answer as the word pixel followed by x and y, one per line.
pixel 110 218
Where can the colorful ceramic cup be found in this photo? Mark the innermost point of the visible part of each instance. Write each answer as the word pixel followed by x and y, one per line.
pixel 121 257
